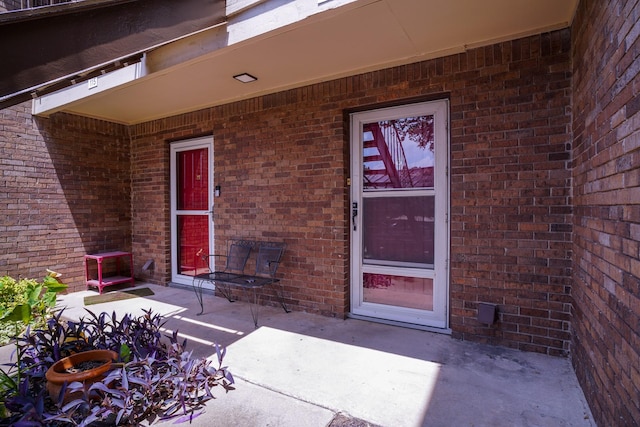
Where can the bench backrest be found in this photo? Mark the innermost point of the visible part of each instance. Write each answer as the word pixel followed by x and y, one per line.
pixel 269 257
pixel 239 251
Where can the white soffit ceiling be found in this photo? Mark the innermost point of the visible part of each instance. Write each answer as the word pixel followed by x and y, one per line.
pixel 362 36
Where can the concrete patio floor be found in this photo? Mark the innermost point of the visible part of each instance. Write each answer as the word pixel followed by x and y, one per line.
pixel 299 369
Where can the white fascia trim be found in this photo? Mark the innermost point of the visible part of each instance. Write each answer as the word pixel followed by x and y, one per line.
pixel 48 104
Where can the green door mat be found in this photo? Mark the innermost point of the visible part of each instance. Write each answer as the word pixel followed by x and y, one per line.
pixel 117 296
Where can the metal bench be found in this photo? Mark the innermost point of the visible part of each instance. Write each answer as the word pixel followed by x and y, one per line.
pixel 233 275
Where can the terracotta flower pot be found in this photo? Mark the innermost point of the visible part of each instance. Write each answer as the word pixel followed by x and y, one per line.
pixel 58 373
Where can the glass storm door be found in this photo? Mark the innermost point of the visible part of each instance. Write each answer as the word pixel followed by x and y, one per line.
pixel 399 206
pixel 191 207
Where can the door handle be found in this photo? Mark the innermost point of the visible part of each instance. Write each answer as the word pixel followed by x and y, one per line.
pixel 354 214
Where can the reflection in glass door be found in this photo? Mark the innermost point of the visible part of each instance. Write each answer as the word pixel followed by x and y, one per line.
pixel 399 205
pixel 191 206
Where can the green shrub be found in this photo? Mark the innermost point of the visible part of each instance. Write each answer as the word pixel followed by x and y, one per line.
pixel 14 292
pixel 26 301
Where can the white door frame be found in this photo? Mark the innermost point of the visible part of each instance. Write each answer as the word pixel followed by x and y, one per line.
pixel 176 147
pixel 438 318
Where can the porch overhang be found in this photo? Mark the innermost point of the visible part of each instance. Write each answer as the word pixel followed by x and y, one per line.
pixel 292 44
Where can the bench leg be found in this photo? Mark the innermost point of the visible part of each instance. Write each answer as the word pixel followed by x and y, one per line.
pixel 281 297
pixel 254 304
pixel 225 291
pixel 197 288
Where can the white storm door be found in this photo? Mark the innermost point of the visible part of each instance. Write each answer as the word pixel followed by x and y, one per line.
pixel 399 201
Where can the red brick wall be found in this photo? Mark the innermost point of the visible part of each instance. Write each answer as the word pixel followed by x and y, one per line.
pixel 606 290
pixel 282 161
pixel 510 192
pixel 65 192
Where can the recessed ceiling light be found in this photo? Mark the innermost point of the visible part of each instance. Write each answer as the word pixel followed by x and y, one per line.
pixel 245 78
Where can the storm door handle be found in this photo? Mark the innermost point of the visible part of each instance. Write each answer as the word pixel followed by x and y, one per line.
pixel 354 214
